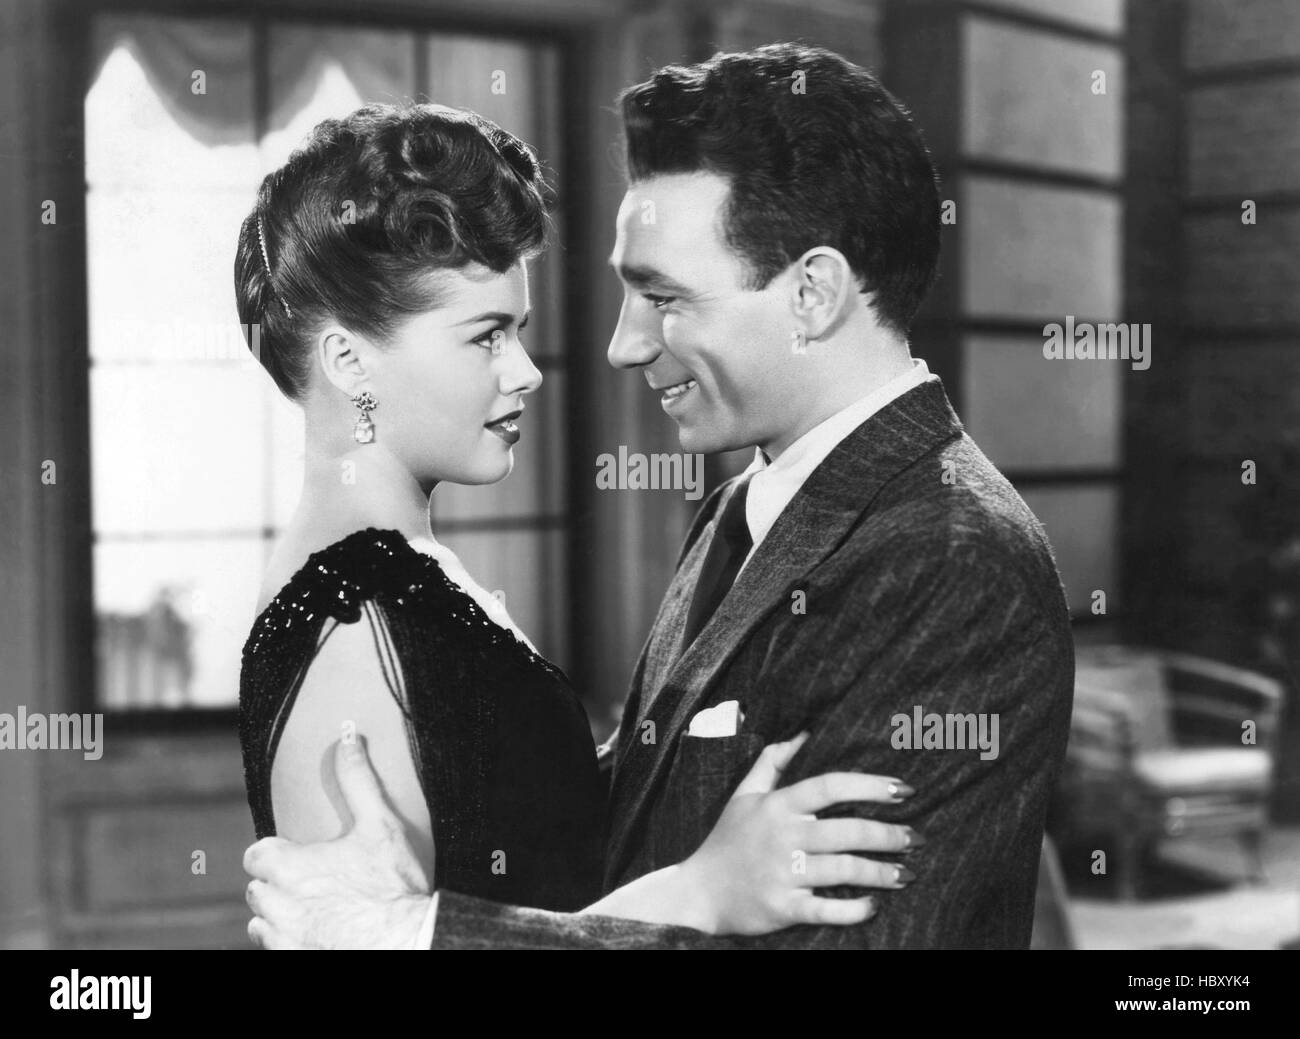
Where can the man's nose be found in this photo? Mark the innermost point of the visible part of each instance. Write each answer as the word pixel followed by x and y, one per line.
pixel 636 340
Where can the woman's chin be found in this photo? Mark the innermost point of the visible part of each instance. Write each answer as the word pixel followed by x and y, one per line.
pixel 506 466
pixel 489 470
pixel 492 463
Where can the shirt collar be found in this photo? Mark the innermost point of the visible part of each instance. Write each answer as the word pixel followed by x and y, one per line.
pixel 774 483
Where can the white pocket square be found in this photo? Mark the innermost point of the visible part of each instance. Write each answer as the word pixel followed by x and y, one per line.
pixel 723 720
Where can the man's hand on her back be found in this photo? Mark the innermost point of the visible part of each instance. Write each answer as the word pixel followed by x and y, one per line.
pixel 363 890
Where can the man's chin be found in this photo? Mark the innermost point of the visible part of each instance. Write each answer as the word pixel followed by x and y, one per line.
pixel 697 440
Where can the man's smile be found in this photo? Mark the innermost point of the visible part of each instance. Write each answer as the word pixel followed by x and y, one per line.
pixel 674 393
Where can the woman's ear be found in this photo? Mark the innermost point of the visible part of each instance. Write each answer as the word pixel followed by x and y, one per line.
pixel 825 288
pixel 339 353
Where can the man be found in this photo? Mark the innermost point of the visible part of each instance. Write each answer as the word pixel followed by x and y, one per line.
pixel 871 579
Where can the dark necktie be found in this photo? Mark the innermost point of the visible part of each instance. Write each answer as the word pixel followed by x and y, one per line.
pixel 731 544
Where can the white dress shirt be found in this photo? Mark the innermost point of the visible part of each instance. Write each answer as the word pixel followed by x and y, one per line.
pixel 773 485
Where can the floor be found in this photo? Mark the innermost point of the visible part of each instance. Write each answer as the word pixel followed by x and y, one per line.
pixel 1196 895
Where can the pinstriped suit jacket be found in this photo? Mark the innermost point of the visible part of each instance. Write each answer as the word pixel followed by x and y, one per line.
pixel 926 582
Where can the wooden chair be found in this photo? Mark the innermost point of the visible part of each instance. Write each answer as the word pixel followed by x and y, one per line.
pixel 1167 745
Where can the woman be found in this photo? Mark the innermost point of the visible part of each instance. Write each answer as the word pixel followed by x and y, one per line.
pixel 386 265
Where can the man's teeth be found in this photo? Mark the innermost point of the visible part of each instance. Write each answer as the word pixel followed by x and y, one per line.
pixel 507 425
pixel 679 389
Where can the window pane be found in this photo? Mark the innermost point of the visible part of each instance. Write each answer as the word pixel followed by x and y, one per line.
pixel 1056 124
pixel 1105 15
pixel 1083 526
pixel 1031 412
pixel 173 617
pixel 178 448
pixel 1040 252
pixel 160 271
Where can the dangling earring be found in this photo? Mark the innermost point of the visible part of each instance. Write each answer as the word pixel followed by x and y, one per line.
pixel 364 431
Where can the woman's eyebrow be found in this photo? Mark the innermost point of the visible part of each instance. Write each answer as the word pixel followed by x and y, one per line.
pixel 499 316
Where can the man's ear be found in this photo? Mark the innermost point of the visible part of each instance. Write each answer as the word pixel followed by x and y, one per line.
pixel 339 354
pixel 825 290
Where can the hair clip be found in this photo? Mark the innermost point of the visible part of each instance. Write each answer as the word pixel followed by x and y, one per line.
pixel 266 264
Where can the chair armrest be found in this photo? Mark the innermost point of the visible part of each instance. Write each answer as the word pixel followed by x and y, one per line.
pixel 1101 729
pixel 1243 695
pixel 1269 691
pixel 1207 706
pixel 1099 699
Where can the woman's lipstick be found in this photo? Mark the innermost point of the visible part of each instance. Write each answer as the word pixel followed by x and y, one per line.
pixel 505 427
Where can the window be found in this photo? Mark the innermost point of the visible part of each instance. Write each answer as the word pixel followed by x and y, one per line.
pixel 1042 223
pixel 196 458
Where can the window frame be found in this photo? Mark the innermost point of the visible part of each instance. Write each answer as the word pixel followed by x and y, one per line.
pixel 567 35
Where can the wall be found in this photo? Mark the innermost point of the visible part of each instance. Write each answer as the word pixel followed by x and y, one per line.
pixel 1241 298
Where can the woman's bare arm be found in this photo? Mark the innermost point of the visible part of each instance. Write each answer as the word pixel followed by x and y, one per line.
pixel 344 696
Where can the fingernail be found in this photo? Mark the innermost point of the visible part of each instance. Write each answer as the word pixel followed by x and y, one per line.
pixel 914 840
pixel 354 749
pixel 900 789
pixel 903 875
pixel 871 908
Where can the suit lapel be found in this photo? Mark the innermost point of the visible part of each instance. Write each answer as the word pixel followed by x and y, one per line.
pixel 661 647
pixel 670 625
pixel 657 655
pixel 832 501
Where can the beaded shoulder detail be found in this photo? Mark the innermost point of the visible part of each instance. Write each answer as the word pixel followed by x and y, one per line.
pixel 375 564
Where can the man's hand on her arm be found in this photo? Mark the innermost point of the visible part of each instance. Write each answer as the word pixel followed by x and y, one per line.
pixel 363 890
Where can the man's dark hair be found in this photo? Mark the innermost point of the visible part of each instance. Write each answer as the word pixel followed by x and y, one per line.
pixel 371 205
pixel 828 157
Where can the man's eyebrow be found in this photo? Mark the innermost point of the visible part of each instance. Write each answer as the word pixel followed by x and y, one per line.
pixel 640 277
pixel 499 316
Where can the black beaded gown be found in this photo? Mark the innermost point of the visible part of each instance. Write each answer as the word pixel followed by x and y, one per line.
pixel 499 739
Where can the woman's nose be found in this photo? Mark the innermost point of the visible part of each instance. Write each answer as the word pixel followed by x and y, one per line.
pixel 522 376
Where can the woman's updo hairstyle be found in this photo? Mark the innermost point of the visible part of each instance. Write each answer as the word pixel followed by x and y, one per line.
pixel 351 227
